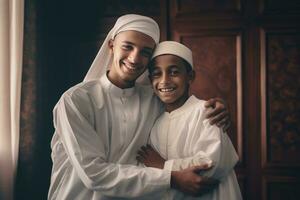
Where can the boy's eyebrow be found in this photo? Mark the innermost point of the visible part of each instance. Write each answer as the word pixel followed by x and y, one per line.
pixel 174 66
pixel 131 43
pixel 153 67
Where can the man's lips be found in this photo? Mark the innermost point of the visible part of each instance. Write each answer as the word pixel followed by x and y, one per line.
pixel 131 68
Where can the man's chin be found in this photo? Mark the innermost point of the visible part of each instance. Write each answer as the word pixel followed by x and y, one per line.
pixel 130 76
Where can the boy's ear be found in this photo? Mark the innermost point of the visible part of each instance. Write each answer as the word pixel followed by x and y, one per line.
pixel 111 44
pixel 192 76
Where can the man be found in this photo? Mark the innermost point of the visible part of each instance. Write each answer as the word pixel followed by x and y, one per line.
pixel 101 123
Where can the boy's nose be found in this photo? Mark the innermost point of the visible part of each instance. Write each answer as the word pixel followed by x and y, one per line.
pixel 165 78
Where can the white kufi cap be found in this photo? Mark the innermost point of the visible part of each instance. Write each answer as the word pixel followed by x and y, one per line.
pixel 174 48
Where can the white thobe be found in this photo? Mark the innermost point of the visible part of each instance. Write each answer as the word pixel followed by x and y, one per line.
pixel 98 131
pixel 185 138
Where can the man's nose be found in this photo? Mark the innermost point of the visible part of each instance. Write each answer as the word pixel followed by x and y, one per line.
pixel 134 57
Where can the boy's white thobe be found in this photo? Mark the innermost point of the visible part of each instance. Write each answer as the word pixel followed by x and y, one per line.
pixel 185 138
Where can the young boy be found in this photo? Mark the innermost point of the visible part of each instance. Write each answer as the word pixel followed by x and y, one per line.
pixel 182 135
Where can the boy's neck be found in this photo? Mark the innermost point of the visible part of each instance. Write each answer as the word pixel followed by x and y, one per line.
pixel 177 104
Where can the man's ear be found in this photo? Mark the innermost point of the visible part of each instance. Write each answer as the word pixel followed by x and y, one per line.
pixel 192 75
pixel 111 44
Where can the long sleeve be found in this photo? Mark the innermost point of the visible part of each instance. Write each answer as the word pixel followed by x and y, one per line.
pixel 213 147
pixel 88 154
pixel 215 150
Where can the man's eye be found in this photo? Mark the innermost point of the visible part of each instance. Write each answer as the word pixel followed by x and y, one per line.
pixel 146 54
pixel 126 47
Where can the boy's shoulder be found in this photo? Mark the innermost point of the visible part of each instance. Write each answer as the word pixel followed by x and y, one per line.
pixel 196 103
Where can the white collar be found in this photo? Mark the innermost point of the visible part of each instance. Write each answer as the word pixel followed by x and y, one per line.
pixel 116 91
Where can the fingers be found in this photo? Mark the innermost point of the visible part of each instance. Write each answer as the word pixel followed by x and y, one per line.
pixel 200 168
pixel 210 103
pixel 216 110
pixel 224 121
pixel 226 126
pixel 139 159
pixel 144 149
pixel 217 119
pixel 148 146
pixel 142 154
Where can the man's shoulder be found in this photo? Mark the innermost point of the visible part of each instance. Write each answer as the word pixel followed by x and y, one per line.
pixel 82 89
pixel 84 93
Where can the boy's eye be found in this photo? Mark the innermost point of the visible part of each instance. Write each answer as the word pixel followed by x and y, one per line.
pixel 174 72
pixel 155 73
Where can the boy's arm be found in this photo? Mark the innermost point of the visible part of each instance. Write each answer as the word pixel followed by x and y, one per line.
pixel 213 147
pixel 150 158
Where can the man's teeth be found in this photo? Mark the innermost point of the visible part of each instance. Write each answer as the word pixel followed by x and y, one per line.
pixel 131 67
pixel 166 89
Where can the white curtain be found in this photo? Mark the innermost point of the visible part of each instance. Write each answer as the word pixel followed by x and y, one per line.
pixel 11 50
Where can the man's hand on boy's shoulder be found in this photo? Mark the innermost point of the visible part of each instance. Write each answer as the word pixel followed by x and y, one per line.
pixel 150 158
pixel 219 113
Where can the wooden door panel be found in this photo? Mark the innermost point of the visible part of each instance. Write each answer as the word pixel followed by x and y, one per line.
pixel 217 61
pixel 280 187
pixel 281 97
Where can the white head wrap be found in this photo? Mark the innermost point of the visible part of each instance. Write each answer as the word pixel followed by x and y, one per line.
pixel 128 22
pixel 174 48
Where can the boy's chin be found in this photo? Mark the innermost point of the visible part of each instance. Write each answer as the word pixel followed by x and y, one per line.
pixel 167 100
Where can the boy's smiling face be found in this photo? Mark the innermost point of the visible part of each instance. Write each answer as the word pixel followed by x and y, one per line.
pixel 170 80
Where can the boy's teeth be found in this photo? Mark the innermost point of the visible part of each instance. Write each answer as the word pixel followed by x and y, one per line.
pixel 166 89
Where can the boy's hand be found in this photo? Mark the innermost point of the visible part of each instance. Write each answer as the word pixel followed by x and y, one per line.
pixel 189 182
pixel 219 114
pixel 150 158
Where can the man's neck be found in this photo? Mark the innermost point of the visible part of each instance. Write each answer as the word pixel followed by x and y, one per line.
pixel 118 82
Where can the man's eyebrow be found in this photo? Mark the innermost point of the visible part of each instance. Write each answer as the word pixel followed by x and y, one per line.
pixel 131 43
